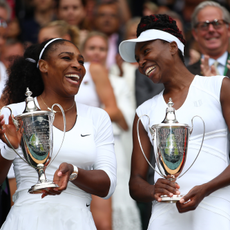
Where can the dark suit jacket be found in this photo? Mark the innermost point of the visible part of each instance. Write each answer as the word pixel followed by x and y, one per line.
pixel 195 69
pixel 145 88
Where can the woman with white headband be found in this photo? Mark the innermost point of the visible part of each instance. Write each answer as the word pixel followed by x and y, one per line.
pixel 205 201
pixel 85 164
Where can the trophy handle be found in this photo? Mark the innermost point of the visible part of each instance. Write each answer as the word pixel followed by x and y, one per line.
pixel 17 127
pixel 152 134
pixel 64 131
pixel 200 145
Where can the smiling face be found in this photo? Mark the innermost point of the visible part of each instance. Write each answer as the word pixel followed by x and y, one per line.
pixel 95 49
pixel 213 42
pixel 154 58
pixel 63 69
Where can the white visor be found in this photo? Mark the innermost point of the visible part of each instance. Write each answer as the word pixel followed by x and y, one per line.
pixel 127 47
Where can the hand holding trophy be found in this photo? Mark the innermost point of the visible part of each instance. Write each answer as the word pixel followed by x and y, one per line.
pixel 172 141
pixel 36 140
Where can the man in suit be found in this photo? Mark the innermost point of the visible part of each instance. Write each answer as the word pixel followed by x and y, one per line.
pixel 210 28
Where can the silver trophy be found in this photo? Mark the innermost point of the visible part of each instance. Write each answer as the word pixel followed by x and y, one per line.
pixel 172 140
pixel 37 139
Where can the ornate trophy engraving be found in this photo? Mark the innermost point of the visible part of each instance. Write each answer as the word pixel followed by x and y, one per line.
pixel 37 139
pixel 172 141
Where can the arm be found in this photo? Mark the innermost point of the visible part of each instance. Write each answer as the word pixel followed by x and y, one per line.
pixel 101 180
pixel 191 200
pixel 14 137
pixel 140 189
pixel 106 95
pixel 85 181
pixel 119 62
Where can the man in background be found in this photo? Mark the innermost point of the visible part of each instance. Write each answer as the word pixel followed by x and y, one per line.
pixel 210 29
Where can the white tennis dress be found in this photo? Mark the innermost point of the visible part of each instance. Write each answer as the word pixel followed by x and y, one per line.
pixel 213 212
pixel 88 145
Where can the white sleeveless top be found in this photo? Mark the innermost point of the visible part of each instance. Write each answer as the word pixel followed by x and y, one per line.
pixel 87 93
pixel 203 99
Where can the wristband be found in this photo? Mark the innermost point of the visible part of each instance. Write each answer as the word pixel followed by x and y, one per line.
pixel 74 174
pixel 8 153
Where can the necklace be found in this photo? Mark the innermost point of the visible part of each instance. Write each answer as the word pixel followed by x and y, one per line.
pixel 55 110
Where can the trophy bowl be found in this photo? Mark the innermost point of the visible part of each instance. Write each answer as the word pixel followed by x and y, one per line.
pixel 172 140
pixel 37 140
pixel 172 143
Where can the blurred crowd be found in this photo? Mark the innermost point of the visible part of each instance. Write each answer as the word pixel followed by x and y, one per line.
pixel 97 27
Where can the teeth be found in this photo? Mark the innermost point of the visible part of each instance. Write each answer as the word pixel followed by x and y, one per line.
pixel 149 70
pixel 73 76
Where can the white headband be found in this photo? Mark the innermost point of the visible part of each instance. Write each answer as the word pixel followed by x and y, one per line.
pixel 42 51
pixel 127 47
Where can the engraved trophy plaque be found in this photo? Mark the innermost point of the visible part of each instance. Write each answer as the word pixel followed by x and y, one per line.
pixel 172 140
pixel 37 139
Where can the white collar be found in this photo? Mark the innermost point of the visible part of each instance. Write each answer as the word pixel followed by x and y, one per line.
pixel 222 59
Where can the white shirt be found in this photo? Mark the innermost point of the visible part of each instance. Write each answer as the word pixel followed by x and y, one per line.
pixel 222 62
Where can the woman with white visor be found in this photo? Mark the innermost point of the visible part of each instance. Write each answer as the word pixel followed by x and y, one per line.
pixel 205 200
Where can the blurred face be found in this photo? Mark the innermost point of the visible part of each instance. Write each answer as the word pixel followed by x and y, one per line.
pixel 65 67
pixel 107 20
pixel 211 41
pixel 95 50
pixel 9 52
pixel 72 11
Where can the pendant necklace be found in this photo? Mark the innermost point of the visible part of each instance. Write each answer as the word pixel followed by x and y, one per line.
pixel 55 110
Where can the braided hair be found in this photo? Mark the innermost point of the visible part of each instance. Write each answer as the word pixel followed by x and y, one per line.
pixel 24 73
pixel 161 22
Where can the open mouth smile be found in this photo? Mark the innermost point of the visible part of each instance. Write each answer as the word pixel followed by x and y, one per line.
pixel 149 70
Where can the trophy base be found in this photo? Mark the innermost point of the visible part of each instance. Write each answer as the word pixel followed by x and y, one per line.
pixel 172 199
pixel 40 187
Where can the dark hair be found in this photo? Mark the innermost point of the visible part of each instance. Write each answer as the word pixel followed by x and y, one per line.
pixel 24 73
pixel 161 22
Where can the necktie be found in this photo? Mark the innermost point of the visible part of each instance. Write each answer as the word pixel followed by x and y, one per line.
pixel 215 64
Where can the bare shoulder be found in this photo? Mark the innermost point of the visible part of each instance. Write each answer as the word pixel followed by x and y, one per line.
pixel 225 89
